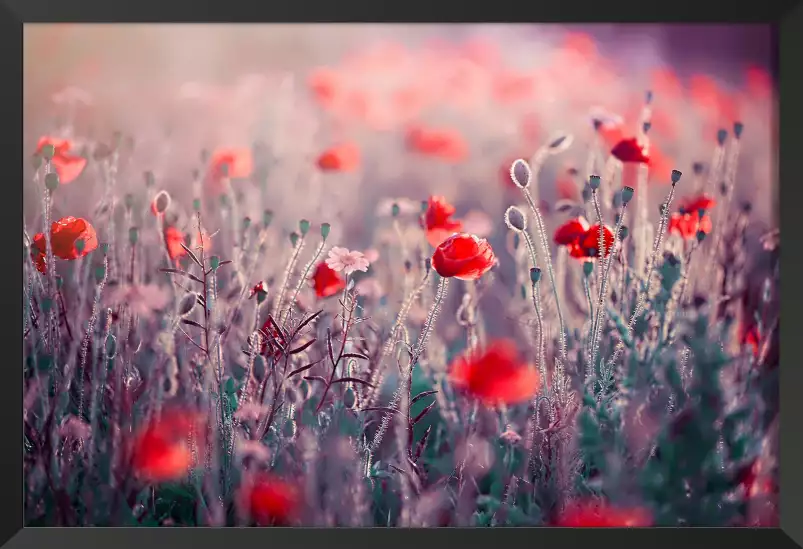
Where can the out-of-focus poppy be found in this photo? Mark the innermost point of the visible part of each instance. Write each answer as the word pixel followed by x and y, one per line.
pixel 162 452
pixel 340 158
pixel 495 375
pixel 694 204
pixel 447 145
pixel 750 337
pixel 687 225
pixel 596 514
pixel 629 150
pixel 568 233
pixel 666 85
pixel 463 256
pixel 511 87
pixel 230 164
pixel 272 500
pixel 326 281
pixel 67 166
pixel 65 235
pixel 588 245
pixel 325 85
pixel 174 239
pixel 437 221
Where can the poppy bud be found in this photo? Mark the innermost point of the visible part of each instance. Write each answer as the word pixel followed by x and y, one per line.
pixel 722 135
pixel 698 168
pixel 204 156
pixel 408 265
pixel 46 304
pixel 523 291
pixel 48 152
pixel 214 262
pixel 395 210
pixel 535 275
pixel 676 176
pixel 59 282
pixel 267 217
pixel 111 346
pixel 424 206
pixel 150 181
pixel 515 219
pixel 586 194
pixel 588 268
pixel 224 201
pixel 738 128
pixel 36 161
pixel 161 202
pixel 294 236
pixel 325 229
pixel 520 173
pixel 52 181
pixel 246 223
pixel 187 304
pixel 133 235
pixel 104 248
pixel 224 169
pixel 700 236
pixel 648 97
pixel 196 204
pixel 627 194
pixel 646 126
pixel 349 398
pixel 623 232
pixel 303 226
pixel 100 272
pixel 594 181
pixel 428 264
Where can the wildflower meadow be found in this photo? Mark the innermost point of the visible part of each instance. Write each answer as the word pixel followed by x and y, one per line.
pixel 410 279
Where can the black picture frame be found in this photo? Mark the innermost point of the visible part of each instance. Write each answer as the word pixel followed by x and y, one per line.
pixel 786 15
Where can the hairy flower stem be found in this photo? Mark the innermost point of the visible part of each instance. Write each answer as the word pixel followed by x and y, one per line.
pixel 541 343
pixel 545 245
pixel 89 332
pixel 288 272
pixel 420 346
pixel 303 279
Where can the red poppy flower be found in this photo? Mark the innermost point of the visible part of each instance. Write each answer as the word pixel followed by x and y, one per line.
pixel 687 225
pixel 759 83
pixel 325 86
pixel 174 240
pixel 593 514
pixel 326 281
pixel 437 221
pixel 162 452
pixel 749 337
pixel 569 233
pixel 64 234
pixel 588 245
pixel 231 163
pixel 272 500
pixel 447 145
pixel 694 204
pixel 273 341
pixel 666 84
pixel 495 375
pixel 67 166
pixel 629 150
pixel 514 88
pixel 261 288
pixel 341 158
pixel 463 256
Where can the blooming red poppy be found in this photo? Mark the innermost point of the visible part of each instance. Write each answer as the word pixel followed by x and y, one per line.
pixel 162 452
pixel 630 150
pixel 272 500
pixel 687 225
pixel 569 233
pixel 495 375
pixel 694 204
pixel 340 158
pixel 64 235
pixel 463 256
pixel 174 239
pixel 326 281
pixel 260 288
pixel 67 166
pixel 437 221
pixel 445 144
pixel 231 164
pixel 595 514
pixel 588 245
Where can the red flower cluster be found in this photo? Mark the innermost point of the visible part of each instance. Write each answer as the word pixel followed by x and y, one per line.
pixel 271 500
pixel 161 452
pixel 227 164
pixel 437 221
pixel 594 514
pixel 67 166
pixel 463 256
pixel 496 375
pixel 447 145
pixel 582 240
pixel 326 281
pixel 64 234
pixel 692 218
pixel 340 158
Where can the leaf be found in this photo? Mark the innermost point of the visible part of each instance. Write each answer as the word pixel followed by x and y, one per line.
pixel 183 273
pixel 424 412
pixel 303 347
pixel 352 380
pixel 192 255
pixel 315 378
pixel 224 262
pixel 329 346
pixel 303 368
pixel 308 320
pixel 382 409
pixel 422 444
pixel 356 355
pixel 191 323
pixel 421 395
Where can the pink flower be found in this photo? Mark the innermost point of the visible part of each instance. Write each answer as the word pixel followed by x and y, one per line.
pixel 342 259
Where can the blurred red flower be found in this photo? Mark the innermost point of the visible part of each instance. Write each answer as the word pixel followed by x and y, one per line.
pixel 340 158
pixel 568 233
pixel 326 281
pixel 630 150
pixel 64 234
pixel 750 337
pixel 174 239
pixel 511 87
pixel 445 144
pixel 588 246
pixel 231 164
pixel 162 452
pixel 666 84
pixel 495 375
pixel 595 514
pixel 437 221
pixel 67 166
pixel 271 500
pixel 325 84
pixel 463 256
pixel 694 204
pixel 687 225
